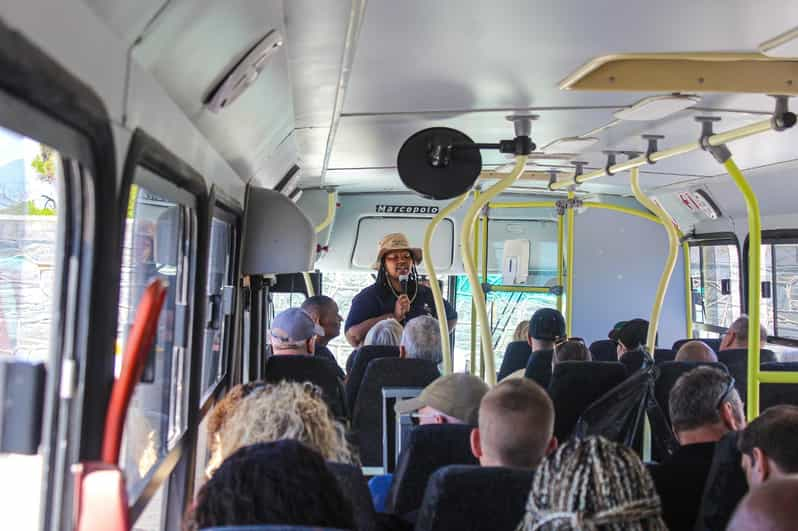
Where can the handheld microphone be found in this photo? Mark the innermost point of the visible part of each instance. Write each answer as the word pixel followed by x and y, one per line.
pixel 403 283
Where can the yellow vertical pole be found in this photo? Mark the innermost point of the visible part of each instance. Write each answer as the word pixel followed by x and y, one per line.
pixel 670 262
pixel 475 235
pixel 754 294
pixel 560 238
pixel 484 279
pixel 569 289
pixel 688 290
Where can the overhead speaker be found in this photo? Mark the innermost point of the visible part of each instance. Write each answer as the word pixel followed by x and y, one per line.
pixel 439 163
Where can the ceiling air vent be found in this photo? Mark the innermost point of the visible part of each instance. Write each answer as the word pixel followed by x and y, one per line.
pixel 245 73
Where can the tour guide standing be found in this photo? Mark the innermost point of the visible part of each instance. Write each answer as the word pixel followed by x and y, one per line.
pixel 396 294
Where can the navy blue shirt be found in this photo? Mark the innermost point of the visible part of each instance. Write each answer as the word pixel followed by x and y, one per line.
pixel 375 300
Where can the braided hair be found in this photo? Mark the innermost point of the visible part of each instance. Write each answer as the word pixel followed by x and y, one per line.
pixel 592 484
pixel 412 279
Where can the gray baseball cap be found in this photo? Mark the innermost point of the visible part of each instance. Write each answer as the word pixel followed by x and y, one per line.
pixel 291 328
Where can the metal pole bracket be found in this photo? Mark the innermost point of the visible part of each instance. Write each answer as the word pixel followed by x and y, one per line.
pixel 721 153
pixel 653 147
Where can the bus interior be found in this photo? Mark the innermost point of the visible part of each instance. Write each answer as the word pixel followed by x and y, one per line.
pixel 637 157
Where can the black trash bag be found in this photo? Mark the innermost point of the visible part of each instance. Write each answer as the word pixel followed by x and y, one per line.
pixel 725 487
pixel 618 415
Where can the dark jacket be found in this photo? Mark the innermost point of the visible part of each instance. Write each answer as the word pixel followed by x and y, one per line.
pixel 516 356
pixel 325 354
pixel 634 360
pixel 680 483
pixel 539 367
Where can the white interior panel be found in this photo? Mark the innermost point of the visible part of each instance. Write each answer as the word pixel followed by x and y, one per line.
pixel 371 229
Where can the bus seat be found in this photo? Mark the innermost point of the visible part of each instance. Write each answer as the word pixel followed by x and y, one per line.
pixel 713 342
pixel 354 487
pixel 736 359
pixel 361 358
pixel 771 394
pixel 661 355
pixel 309 369
pixel 516 356
pixel 669 372
pixel 473 498
pixel 269 528
pixel 725 485
pixel 577 384
pixel 367 413
pixel 604 350
pixel 428 448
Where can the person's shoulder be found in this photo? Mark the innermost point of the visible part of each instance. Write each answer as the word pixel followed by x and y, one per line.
pixel 369 291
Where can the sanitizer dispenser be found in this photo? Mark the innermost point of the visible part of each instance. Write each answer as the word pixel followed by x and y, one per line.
pixel 515 262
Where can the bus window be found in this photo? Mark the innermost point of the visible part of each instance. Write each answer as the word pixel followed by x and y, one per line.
pixel 160 240
pixel 31 195
pixel 715 280
pixel 779 307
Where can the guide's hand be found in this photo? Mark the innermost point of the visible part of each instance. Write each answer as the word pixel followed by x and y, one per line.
pixel 401 307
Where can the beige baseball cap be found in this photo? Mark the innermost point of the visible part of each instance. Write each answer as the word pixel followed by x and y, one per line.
pixel 457 395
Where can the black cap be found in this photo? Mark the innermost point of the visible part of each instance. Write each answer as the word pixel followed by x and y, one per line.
pixel 615 329
pixel 547 323
pixel 633 334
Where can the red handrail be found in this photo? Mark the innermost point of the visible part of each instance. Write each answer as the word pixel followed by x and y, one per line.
pixel 139 344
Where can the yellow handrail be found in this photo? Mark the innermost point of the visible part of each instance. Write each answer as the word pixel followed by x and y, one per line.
pixel 524 204
pixel 569 269
pixel 619 208
pixel 330 213
pixel 670 262
pixel 477 294
pixel 754 250
pixel 560 252
pixel 309 284
pixel 688 289
pixel 437 296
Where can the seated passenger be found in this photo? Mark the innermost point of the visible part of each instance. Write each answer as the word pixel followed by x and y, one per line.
pixel 769 445
pixel 632 345
pixel 594 484
pixel 613 334
pixel 545 327
pixel 704 406
pixel 278 483
pixel 521 332
pixel 736 336
pixel 571 349
pixel 287 410
pixel 696 351
pixel 387 332
pixel 221 412
pixel 770 506
pixel 516 425
pixel 324 312
pixel 294 332
pixel 421 340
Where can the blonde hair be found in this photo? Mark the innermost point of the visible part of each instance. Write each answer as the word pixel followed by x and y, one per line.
pixel 594 484
pixel 287 410
pixel 521 331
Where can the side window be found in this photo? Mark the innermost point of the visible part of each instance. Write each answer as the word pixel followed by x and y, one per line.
pixel 779 276
pixel 715 285
pixel 160 242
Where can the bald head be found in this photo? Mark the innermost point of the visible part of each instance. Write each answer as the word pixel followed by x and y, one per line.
pixel 737 335
pixel 696 351
pixel 770 506
pixel 516 425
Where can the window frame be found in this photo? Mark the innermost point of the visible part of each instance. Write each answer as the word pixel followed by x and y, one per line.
pixel 43 101
pixel 174 467
pixel 710 239
pixel 771 237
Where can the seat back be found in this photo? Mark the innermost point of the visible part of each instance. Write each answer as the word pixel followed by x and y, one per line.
pixel 577 384
pixel 771 394
pixel 474 498
pixel 725 485
pixel 297 368
pixel 269 528
pixel 354 487
pixel 669 372
pixel 428 448
pixel 736 359
pixel 661 355
pixel 714 343
pixel 516 356
pixel 360 360
pixel 604 350
pixel 367 413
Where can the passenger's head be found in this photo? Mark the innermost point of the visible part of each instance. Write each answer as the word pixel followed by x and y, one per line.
pixel 632 336
pixel 395 256
pixel 287 410
pixel 386 332
pixel 421 339
pixel 516 425
pixel 737 334
pixel 572 349
pixel 545 327
pixel 595 484
pixel 770 506
pixel 224 409
pixel 324 311
pixel 769 444
pixel 521 332
pixel 279 483
pixel 613 333
pixel 450 399
pixel 294 332
pixel 704 406
pixel 696 351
